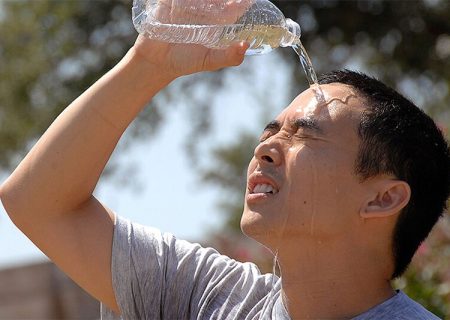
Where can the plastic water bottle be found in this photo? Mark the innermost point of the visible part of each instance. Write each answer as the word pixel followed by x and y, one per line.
pixel 216 23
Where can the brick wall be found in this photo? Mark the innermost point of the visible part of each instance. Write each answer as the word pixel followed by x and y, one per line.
pixel 42 291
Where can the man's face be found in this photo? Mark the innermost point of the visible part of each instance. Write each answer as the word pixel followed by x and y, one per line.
pixel 301 181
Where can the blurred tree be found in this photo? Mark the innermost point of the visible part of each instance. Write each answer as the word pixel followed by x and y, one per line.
pixel 428 278
pixel 405 43
pixel 50 51
pixel 229 173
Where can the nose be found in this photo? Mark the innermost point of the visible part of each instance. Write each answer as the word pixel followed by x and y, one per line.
pixel 268 153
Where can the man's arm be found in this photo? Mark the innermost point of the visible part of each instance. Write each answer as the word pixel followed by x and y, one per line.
pixel 49 196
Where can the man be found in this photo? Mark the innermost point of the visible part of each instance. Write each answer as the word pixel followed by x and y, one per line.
pixel 343 190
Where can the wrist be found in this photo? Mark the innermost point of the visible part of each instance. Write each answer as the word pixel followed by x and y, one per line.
pixel 154 55
pixel 148 74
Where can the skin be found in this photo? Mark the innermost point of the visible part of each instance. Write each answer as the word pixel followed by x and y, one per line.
pixel 49 196
pixel 311 167
pixel 330 230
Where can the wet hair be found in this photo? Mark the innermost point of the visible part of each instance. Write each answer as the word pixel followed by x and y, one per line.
pixel 398 138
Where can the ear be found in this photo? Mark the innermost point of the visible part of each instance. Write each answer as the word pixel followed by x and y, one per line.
pixel 389 198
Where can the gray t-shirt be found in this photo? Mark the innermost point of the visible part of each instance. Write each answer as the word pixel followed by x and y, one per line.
pixel 156 276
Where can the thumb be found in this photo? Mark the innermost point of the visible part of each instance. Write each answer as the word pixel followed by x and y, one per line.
pixel 231 56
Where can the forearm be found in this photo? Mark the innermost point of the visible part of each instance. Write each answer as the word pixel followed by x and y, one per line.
pixel 61 171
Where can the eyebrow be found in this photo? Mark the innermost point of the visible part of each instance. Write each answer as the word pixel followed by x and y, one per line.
pixel 304 123
pixel 274 125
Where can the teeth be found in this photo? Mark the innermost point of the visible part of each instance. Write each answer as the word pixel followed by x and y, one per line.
pixel 264 188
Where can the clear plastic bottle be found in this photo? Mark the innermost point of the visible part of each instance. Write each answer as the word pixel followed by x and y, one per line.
pixel 216 23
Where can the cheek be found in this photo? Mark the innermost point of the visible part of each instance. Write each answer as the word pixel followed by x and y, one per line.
pixel 315 190
pixel 251 166
pixel 302 179
pixel 300 202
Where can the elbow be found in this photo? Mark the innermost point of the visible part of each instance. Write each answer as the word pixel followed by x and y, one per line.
pixel 12 202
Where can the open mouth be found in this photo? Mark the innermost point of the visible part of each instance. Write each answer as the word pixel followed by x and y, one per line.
pixel 263 188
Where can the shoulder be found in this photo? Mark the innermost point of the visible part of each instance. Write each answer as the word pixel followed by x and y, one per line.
pixel 145 244
pixel 399 307
pixel 138 242
pixel 146 261
pixel 146 252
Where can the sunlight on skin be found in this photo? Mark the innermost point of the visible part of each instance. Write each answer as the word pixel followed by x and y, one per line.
pixel 322 111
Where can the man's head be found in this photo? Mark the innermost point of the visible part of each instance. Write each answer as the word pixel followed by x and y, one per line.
pixel 398 138
pixel 367 165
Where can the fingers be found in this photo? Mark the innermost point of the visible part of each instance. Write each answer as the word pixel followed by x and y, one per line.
pixel 232 56
pixel 239 49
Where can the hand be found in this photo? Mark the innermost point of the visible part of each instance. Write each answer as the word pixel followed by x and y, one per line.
pixel 175 60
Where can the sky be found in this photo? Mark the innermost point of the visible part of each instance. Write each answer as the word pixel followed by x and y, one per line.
pixel 165 192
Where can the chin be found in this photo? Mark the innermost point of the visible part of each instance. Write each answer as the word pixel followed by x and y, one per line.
pixel 249 222
pixel 253 226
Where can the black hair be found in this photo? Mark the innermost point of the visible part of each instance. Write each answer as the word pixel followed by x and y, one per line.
pixel 398 138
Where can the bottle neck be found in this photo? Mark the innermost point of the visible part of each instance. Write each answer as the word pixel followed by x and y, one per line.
pixel 292 37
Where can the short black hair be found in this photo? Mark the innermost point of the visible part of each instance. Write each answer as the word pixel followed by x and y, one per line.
pixel 396 137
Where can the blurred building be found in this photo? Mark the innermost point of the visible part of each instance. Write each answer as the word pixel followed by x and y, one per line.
pixel 42 291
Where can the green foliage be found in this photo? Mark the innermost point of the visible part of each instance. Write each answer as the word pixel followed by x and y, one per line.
pixel 405 43
pixel 230 172
pixel 428 278
pixel 51 51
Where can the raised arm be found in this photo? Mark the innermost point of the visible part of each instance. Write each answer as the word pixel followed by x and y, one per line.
pixel 49 196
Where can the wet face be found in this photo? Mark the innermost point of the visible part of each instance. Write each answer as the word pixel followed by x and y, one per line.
pixel 301 181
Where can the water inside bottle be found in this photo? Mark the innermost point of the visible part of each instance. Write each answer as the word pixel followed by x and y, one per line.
pixel 261 38
pixel 309 71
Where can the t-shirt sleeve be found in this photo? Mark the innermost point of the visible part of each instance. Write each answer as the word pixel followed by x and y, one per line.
pixel 156 276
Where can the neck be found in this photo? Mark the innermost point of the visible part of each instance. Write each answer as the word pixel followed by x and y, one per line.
pixel 329 280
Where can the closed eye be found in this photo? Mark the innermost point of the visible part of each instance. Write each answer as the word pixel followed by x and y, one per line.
pixel 302 135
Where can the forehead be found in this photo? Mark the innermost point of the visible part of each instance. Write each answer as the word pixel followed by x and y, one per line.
pixel 343 106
